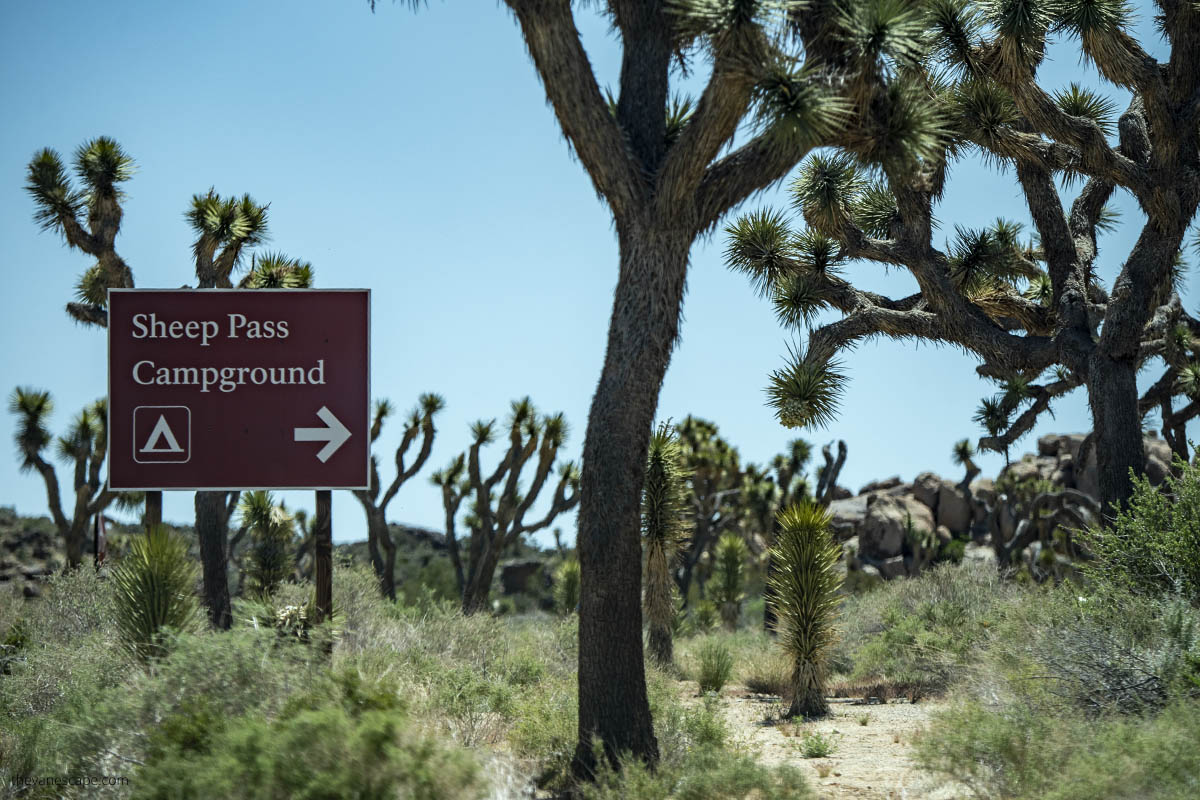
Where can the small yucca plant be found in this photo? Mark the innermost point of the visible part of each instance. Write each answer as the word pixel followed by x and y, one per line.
pixel 566 587
pixel 272 534
pixel 730 577
pixel 664 528
pixel 154 589
pixel 805 587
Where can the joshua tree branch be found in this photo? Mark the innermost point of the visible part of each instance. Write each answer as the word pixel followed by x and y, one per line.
pixel 549 31
pixel 752 168
pixel 1024 423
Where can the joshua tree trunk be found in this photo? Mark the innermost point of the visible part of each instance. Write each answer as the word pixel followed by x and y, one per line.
pixel 212 524
pixel 153 513
pixel 1113 396
pixel 383 563
pixel 642 332
pixel 808 701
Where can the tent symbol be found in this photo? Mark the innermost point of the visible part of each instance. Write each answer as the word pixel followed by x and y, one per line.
pixel 162 434
pixel 161 439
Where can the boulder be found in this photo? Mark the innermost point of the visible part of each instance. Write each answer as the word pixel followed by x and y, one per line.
pixel 847 516
pixel 841 493
pixel 881 534
pixel 926 488
pixel 878 486
pixel 893 567
pixel 862 579
pixel 1025 469
pixel 944 535
pixel 1060 444
pixel 32 590
pixel 953 510
pixel 984 490
pixel 979 554
pixel 1158 448
pixel 1157 470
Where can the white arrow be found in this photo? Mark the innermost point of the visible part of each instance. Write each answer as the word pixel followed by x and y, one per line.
pixel 334 434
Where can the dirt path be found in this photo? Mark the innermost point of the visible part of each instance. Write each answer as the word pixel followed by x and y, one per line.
pixel 868 761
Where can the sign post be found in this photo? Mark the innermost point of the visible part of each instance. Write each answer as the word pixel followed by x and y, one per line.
pixel 214 390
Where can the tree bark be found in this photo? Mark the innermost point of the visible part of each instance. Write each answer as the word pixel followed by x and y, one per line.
pixel 385 563
pixel 1113 397
pixel 212 523
pixel 153 509
pixel 323 554
pixel 613 705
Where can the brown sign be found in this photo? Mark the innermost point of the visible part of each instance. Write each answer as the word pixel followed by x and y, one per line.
pixel 238 389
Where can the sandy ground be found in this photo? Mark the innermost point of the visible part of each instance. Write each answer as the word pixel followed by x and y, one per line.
pixel 868 761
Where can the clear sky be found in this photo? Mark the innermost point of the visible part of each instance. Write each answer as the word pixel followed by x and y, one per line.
pixel 415 154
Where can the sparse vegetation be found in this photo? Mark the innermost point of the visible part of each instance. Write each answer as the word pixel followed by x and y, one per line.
pixel 714 665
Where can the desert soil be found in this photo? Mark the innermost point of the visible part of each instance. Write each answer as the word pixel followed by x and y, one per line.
pixel 868 761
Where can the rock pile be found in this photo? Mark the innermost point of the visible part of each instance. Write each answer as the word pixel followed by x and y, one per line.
pixel 892 528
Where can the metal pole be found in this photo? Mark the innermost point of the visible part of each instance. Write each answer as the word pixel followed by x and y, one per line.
pixel 323 554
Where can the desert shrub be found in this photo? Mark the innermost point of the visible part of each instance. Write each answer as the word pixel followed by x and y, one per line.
pixel 566 586
pixel 768 673
pixel 153 591
pixel 1015 751
pixel 919 632
pixel 714 665
pixel 703 617
pixel 1153 547
pixel 476 705
pixel 321 747
pixel 73 604
pixel 817 745
pixel 702 773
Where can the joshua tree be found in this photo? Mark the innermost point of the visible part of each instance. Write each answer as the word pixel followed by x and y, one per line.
pixel 964 456
pixel 730 574
pixel 800 74
pixel 84 447
pixel 806 583
pixel 87 216
pixel 226 229
pixel 272 539
pixel 792 489
pixel 420 422
pixel 715 482
pixel 498 523
pixel 665 520
pixel 1020 307
pixel 828 474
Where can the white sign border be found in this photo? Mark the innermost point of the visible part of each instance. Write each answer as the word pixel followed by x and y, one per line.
pixel 108 399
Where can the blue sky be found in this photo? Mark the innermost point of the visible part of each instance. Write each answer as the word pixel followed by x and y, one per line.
pixel 414 154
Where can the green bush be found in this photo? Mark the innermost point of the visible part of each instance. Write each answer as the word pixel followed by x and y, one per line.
pixel 715 665
pixel 704 773
pixel 817 745
pixel 153 591
pixel 1015 751
pixel 320 749
pixel 1153 547
pixel 920 632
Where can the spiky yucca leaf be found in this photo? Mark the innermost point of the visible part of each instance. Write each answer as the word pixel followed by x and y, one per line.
pixel 794 108
pixel 760 245
pixel 874 210
pixel 817 252
pixel 798 299
pixel 825 190
pixel 1040 289
pixel 1189 380
pixel 101 163
pixel 985 112
pixel 153 588
pixel 277 271
pixel 664 530
pixel 955 28
pixel 907 127
pixel 272 531
pixel 805 586
pixel 962 452
pixel 566 587
pixel 47 183
pixel 992 415
pixel 31 407
pixel 878 33
pixel 1080 102
pixel 729 576
pixel 805 393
